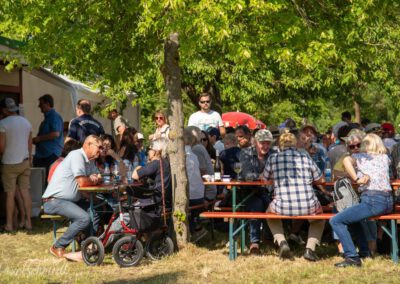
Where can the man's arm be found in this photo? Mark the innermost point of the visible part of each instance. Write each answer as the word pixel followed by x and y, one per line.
pixel 50 136
pixel 2 142
pixel 222 131
pixel 30 146
pixel 93 179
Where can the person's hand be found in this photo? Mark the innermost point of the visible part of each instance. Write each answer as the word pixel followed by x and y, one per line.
pixel 363 180
pixel 94 178
pixel 110 152
pixel 35 140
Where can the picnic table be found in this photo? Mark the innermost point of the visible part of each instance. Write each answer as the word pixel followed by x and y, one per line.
pixel 92 190
pixel 243 217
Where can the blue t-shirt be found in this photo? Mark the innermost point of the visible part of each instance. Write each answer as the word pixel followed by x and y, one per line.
pixel 63 183
pixel 83 126
pixel 52 122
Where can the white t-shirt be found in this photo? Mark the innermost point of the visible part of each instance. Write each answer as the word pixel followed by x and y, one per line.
pixel 196 186
pixel 17 130
pixel 204 120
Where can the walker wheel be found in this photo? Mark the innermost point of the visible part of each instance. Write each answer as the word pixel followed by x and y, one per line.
pixel 159 246
pixel 128 251
pixel 93 251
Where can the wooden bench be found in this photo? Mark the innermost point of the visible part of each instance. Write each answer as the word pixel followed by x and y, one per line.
pixel 55 219
pixel 244 217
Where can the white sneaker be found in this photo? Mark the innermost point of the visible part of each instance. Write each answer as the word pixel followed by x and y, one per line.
pixel 198 235
pixel 297 239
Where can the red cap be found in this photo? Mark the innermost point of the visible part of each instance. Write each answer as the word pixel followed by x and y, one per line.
pixel 388 127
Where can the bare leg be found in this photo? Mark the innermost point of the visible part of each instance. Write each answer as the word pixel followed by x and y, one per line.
pixel 21 209
pixel 10 207
pixel 26 197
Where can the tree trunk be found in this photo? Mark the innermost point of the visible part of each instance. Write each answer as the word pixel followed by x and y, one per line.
pixel 172 79
pixel 357 110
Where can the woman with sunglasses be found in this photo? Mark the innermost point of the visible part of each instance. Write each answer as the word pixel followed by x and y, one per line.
pixel 108 155
pixel 205 140
pixel 162 129
pixel 370 169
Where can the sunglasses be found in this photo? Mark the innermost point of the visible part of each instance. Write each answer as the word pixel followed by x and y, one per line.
pixel 204 139
pixel 352 147
pixel 159 118
pixel 204 102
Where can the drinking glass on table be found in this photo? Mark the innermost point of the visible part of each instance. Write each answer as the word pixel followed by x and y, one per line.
pixel 237 167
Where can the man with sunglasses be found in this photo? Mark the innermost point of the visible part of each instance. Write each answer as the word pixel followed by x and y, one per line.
pixel 206 117
pixel 62 196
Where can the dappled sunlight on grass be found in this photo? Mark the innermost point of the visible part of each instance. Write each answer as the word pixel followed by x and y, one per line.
pixel 25 259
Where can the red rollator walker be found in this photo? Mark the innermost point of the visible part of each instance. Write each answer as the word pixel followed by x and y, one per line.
pixel 138 231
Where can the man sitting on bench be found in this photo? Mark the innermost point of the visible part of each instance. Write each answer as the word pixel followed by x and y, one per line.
pixel 293 173
pixel 62 197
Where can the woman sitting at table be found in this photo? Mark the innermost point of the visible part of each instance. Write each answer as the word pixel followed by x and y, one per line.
pixel 128 149
pixel 158 163
pixel 353 145
pixel 109 147
pixel 370 169
pixel 293 173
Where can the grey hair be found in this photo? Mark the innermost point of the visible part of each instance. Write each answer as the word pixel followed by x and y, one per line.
pixel 196 132
pixel 188 137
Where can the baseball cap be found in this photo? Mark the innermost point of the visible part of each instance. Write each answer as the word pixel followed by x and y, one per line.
pixel 388 127
pixel 213 131
pixel 264 135
pixel 274 130
pixel 372 127
pixel 308 125
pixel 140 136
pixel 9 104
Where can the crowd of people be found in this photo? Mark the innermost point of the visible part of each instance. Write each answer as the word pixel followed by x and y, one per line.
pixel 295 158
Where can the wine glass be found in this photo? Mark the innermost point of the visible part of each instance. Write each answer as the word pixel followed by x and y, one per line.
pixel 237 167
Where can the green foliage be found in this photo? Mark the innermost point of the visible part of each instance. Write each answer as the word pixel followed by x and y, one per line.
pixel 269 58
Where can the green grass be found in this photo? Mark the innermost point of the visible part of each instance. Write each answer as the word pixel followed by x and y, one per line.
pixel 25 259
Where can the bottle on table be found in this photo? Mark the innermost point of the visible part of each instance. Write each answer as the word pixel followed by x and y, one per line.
pixel 107 174
pixel 116 174
pixel 217 167
pixel 328 171
pixel 128 169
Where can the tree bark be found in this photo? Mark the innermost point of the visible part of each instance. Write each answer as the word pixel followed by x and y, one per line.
pixel 357 109
pixel 176 150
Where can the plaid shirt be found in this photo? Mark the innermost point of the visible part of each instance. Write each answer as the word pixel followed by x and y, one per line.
pixel 293 173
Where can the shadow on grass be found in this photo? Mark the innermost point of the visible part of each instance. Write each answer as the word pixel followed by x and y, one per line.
pixel 170 277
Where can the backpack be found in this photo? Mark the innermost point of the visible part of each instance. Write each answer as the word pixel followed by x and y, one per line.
pixel 344 195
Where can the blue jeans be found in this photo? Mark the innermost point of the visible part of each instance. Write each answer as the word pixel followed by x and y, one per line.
pixel 257 203
pixel 373 203
pixel 77 213
pixel 194 214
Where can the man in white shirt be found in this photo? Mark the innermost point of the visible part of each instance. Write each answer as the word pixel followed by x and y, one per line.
pixel 205 117
pixel 16 148
pixel 62 196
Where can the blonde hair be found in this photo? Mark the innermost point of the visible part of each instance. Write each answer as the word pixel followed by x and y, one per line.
pixel 160 147
pixel 373 144
pixel 287 140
